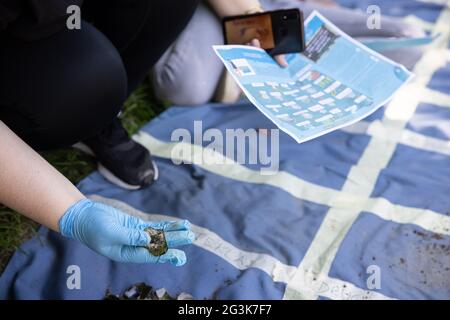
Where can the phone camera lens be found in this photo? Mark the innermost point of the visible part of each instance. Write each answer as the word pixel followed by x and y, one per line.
pixel 290 16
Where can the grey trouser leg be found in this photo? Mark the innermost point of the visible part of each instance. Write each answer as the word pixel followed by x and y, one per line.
pixel 189 71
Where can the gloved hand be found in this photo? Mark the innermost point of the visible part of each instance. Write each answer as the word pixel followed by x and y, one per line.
pixel 121 237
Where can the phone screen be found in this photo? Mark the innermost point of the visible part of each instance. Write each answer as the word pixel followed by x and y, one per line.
pixel 244 30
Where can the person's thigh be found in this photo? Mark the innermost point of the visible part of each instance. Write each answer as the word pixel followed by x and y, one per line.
pixel 142 30
pixel 62 89
pixel 189 71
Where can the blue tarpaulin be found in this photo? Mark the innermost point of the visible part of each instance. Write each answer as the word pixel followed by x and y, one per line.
pixel 361 213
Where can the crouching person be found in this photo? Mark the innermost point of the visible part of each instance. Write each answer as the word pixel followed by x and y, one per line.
pixel 59 87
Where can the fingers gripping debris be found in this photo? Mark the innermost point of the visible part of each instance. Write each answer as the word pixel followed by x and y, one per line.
pixel 143 291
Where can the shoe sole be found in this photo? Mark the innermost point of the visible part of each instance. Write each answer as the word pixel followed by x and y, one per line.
pixel 108 175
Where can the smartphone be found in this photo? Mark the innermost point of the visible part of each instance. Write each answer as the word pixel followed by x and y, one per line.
pixel 279 31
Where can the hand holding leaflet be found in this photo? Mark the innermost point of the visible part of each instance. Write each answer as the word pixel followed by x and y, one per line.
pixel 335 82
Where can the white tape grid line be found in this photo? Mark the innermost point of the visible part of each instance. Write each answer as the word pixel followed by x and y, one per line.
pixel 435 97
pixel 406 137
pixel 416 21
pixel 427 26
pixel 291 184
pixel 304 190
pixel 243 260
pixel 197 155
pixel 360 181
pixel 341 200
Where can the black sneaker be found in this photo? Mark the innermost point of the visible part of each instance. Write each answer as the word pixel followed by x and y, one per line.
pixel 122 160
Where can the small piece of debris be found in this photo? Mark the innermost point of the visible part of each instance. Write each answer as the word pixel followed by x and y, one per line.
pixel 185 296
pixel 158 245
pixel 160 293
pixel 143 291
pixel 437 236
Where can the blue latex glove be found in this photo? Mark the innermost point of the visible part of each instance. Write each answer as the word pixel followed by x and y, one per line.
pixel 121 237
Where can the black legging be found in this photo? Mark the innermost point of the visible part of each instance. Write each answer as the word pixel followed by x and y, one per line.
pixel 60 90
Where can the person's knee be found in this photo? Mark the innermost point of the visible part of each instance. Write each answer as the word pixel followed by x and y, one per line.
pixel 56 100
pixel 90 93
pixel 95 100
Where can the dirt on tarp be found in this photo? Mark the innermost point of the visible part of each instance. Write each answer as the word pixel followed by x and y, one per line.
pixel 431 260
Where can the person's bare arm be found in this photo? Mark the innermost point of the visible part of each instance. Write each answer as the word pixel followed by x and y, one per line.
pixel 30 185
pixel 224 8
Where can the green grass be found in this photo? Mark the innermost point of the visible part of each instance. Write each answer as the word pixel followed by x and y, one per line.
pixel 141 107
